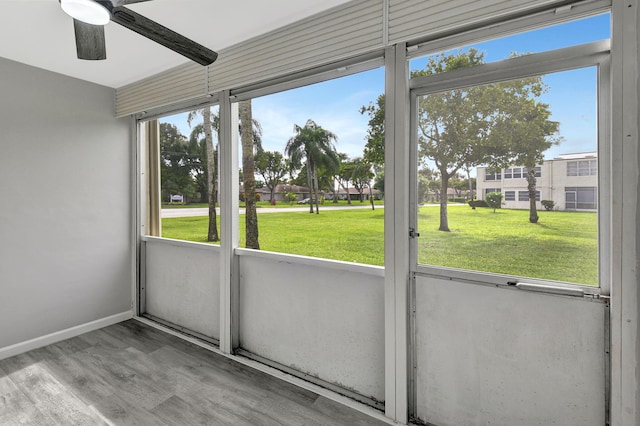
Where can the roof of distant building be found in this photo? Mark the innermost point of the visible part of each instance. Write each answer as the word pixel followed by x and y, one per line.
pixel 577 156
pixel 285 188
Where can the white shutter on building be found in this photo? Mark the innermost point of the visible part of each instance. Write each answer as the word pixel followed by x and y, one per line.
pixel 184 82
pixel 342 32
pixel 417 19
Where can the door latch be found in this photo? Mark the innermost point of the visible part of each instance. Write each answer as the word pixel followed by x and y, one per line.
pixel 413 233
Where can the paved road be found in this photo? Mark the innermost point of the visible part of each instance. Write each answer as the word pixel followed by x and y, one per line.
pixel 166 213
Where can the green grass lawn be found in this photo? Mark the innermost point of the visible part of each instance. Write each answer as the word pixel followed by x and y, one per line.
pixel 562 246
pixel 351 235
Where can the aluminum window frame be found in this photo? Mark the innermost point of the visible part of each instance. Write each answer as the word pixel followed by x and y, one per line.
pixel 530 21
pixel 523 195
pixel 595 54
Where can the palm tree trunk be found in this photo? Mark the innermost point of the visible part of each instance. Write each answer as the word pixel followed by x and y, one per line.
pixel 531 186
pixel 248 173
pixel 310 184
pixel 212 176
pixel 315 188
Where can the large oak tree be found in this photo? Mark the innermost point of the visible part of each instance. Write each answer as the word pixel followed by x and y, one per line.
pixel 495 124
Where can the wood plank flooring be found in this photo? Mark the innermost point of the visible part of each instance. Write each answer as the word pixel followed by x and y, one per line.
pixel 133 374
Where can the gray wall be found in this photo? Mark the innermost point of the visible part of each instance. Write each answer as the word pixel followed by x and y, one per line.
pixel 65 227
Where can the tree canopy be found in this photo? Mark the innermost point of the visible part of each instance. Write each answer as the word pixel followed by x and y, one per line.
pixel 374 148
pixel 361 176
pixel 315 146
pixel 273 167
pixel 178 164
pixel 495 124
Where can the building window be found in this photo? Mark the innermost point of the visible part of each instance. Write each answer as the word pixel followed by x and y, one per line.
pixel 520 172
pixel 538 170
pixel 524 195
pixel 492 175
pixel 582 168
pixel 488 190
pixel 513 173
pixel 581 198
pixel 510 195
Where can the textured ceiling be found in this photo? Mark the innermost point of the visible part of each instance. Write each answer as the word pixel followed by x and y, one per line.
pixel 39 33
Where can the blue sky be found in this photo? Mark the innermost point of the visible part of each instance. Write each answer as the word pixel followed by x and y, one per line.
pixel 335 104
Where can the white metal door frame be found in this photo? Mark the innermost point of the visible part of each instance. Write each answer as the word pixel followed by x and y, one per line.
pixel 592 54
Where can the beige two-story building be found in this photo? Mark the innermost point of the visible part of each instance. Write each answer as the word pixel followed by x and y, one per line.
pixel 569 180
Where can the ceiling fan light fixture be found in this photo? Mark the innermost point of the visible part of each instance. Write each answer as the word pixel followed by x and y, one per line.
pixel 87 11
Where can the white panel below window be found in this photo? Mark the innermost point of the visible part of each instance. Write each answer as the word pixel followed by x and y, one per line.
pixel 183 285
pixel 496 356
pixel 325 322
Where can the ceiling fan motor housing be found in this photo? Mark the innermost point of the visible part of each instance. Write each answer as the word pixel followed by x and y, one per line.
pixel 92 12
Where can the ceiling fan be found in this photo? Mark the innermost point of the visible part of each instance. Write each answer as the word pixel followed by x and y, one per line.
pixel 90 16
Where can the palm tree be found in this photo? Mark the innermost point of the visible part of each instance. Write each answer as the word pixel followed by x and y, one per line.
pixel 315 145
pixel 210 122
pixel 250 138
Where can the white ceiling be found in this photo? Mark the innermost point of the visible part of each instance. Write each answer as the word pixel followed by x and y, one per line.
pixel 39 33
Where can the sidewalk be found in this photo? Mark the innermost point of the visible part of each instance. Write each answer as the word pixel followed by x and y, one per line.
pixel 167 213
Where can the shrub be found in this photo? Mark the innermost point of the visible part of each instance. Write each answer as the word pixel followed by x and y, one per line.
pixel 478 203
pixel 291 197
pixel 494 200
pixel 548 204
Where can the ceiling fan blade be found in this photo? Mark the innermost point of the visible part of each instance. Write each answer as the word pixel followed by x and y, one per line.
pixel 117 3
pixel 163 35
pixel 89 41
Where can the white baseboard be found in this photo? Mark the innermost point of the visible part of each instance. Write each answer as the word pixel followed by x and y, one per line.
pixel 58 336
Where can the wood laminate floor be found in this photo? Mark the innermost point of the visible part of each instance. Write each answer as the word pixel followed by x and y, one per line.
pixel 133 374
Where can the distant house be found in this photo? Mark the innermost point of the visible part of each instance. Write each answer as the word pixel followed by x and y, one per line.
pixel 432 196
pixel 353 194
pixel 301 192
pixel 570 180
